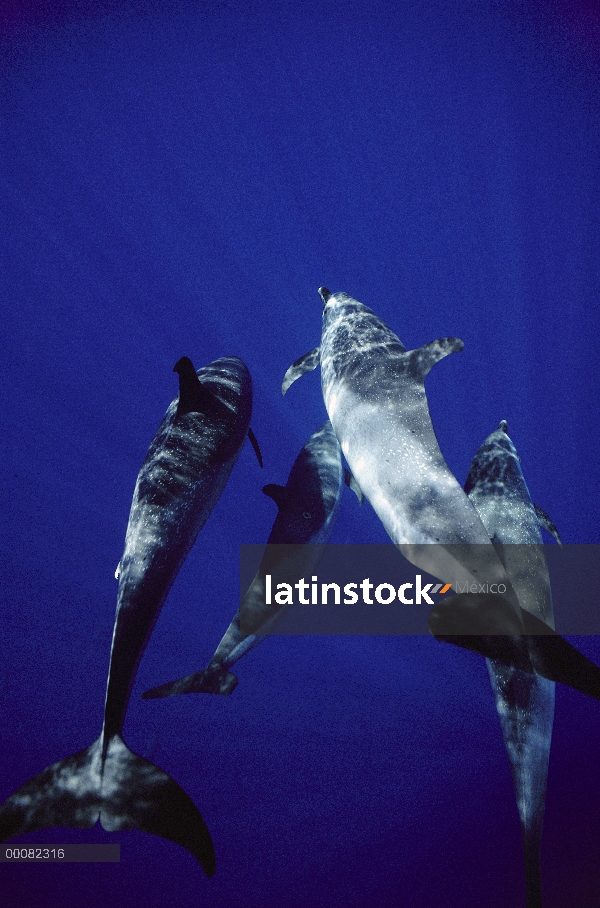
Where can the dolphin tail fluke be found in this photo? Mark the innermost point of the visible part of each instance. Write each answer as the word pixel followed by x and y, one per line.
pixel 206 682
pixel 556 659
pixel 137 794
pixel 124 792
pixel 483 623
pixel 68 793
pixel 305 364
pixel 487 624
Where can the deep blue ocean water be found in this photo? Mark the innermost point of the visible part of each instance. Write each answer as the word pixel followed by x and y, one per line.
pixel 179 179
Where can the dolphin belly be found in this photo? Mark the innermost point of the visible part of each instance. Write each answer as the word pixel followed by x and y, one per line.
pixel 402 473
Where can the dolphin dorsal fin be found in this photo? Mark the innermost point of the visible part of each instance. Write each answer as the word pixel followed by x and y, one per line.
pixel 193 396
pixel 424 358
pixel 305 364
pixel 279 494
pixel 352 484
pixel 545 522
pixel 256 447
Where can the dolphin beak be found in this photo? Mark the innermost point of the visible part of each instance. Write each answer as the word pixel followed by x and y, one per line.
pixel 325 295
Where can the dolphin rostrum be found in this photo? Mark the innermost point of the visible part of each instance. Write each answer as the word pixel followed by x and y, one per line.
pixel 375 397
pixel 524 700
pixel 184 472
pixel 308 506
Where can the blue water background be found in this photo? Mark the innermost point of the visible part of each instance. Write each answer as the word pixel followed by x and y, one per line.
pixel 178 179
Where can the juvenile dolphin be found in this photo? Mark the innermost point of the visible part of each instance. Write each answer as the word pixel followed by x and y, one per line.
pixel 524 700
pixel 374 394
pixel 183 474
pixel 308 506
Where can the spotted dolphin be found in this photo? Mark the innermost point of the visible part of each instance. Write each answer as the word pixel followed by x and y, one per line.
pixel 375 397
pixel 374 393
pixel 307 509
pixel 184 472
pixel 524 700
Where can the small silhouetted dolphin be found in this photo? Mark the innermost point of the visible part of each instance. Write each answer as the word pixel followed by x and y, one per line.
pixel 181 479
pixel 374 394
pixel 524 700
pixel 308 506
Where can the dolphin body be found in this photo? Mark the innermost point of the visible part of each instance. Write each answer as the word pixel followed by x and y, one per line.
pixel 375 397
pixel 374 393
pixel 308 505
pixel 524 700
pixel 184 472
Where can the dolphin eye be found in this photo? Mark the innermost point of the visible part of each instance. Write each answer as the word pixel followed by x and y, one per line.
pixel 306 515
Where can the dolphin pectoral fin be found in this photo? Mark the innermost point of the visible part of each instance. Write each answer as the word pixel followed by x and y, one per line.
pixel 424 358
pixel 65 794
pixel 206 682
pixel 254 444
pixel 545 522
pixel 352 484
pixel 306 363
pixel 279 494
pixel 118 571
pixel 557 660
pixel 483 623
pixel 137 794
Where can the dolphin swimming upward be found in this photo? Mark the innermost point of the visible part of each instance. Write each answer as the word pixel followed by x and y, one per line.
pixel 374 394
pixel 524 700
pixel 184 472
pixel 308 507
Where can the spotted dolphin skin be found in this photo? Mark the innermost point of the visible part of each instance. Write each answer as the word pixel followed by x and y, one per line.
pixel 375 397
pixel 524 700
pixel 308 506
pixel 185 471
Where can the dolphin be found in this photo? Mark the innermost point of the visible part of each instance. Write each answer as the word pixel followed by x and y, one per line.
pixel 374 393
pixel 184 472
pixel 307 509
pixel 524 700
pixel 375 397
